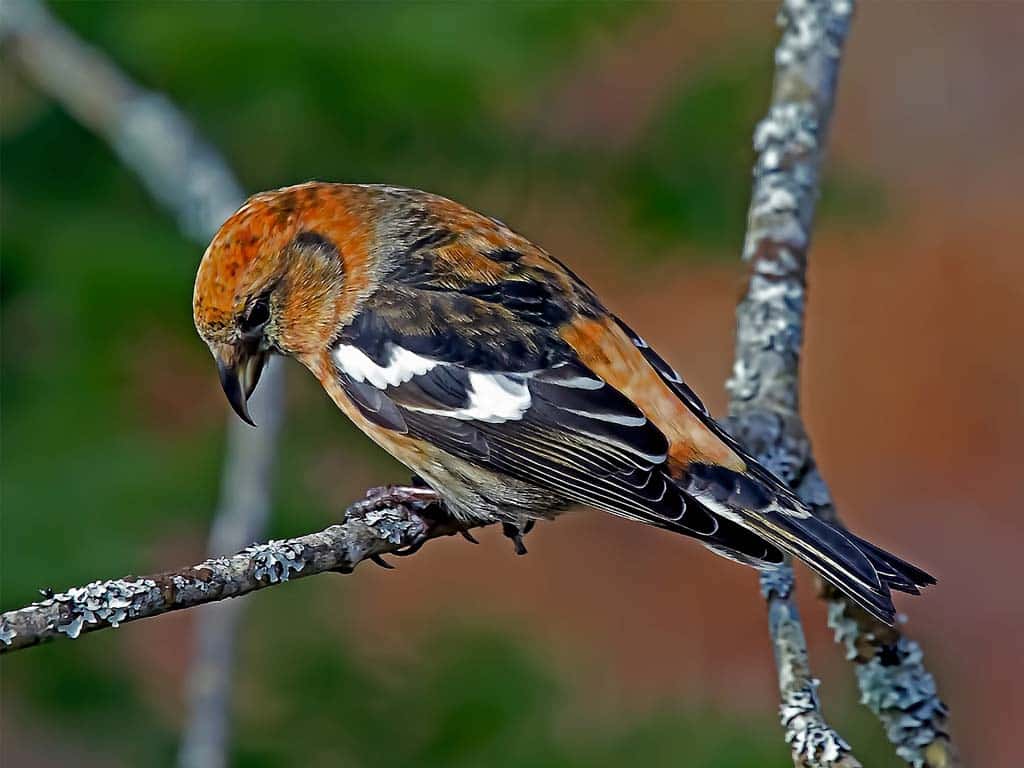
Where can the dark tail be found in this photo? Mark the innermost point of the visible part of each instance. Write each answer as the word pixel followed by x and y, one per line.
pixel 859 569
pixel 896 573
pixel 758 502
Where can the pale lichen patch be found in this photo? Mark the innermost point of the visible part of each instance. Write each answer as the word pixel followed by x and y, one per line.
pixel 99 602
pixel 393 526
pixel 276 560
pixel 7 633
pixel 896 686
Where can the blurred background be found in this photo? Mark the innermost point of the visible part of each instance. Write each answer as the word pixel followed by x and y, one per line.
pixel 618 136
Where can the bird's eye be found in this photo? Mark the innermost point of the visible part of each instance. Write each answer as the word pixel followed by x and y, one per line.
pixel 257 315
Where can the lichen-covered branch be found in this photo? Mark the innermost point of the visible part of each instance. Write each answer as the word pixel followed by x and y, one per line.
pixel 392 521
pixel 812 742
pixel 894 684
pixel 764 387
pixel 764 403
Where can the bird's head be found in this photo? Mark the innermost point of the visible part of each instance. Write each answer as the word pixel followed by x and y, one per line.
pixel 281 276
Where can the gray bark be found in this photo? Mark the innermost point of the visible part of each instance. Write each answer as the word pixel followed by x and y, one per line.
pixel 764 402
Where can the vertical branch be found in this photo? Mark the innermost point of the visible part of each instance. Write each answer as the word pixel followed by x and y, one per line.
pixel 240 520
pixel 764 407
pixel 764 403
pixel 895 684
pixel 191 180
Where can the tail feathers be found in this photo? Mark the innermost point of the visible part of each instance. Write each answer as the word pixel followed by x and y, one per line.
pixel 862 571
pixel 835 558
pixel 898 574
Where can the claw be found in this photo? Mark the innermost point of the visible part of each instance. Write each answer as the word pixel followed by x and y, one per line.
pixel 420 501
pixel 529 526
pixel 412 549
pixel 468 537
pixel 382 562
pixel 514 533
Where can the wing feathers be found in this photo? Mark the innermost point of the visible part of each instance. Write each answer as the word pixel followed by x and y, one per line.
pixel 374 404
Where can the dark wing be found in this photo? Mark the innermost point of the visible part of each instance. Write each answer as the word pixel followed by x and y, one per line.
pixel 481 372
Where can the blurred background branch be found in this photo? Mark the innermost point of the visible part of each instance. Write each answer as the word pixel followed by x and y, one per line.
pixel 193 183
pixel 148 133
pixel 240 519
pixel 765 411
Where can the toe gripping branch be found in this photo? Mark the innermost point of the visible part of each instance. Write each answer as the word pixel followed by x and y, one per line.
pixel 421 500
pixel 418 500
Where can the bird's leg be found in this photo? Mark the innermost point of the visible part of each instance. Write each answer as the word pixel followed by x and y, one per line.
pixel 419 482
pixel 416 498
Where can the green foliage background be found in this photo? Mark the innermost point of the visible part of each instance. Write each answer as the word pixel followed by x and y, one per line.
pixel 95 277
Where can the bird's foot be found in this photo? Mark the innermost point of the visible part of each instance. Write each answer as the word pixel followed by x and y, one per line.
pixel 516 533
pixel 418 500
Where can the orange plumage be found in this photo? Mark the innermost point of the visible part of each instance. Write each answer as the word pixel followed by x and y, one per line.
pixel 497 376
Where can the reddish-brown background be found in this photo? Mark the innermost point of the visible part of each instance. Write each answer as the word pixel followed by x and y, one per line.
pixel 913 391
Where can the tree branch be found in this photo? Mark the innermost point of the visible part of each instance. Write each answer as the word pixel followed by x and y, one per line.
pixel 763 408
pixel 764 401
pixel 396 520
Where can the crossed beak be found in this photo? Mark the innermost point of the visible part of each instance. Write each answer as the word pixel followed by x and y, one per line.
pixel 240 372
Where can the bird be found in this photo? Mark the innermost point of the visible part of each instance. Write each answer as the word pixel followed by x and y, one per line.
pixel 492 371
